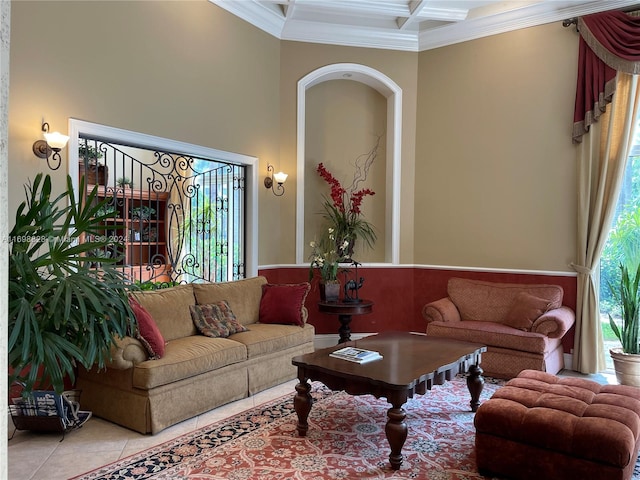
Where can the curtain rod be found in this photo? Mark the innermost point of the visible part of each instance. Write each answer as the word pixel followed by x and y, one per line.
pixel 574 20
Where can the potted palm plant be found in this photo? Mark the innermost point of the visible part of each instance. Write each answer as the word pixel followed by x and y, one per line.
pixel 63 311
pixel 626 359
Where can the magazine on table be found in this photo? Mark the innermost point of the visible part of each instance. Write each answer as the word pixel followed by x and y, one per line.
pixel 357 355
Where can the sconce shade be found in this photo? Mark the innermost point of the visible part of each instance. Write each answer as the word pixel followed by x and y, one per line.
pixel 280 177
pixel 56 140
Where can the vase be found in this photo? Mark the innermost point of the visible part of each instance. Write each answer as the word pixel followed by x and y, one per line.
pixel 329 291
pixel 626 366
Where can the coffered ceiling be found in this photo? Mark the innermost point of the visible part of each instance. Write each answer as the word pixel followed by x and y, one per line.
pixel 410 25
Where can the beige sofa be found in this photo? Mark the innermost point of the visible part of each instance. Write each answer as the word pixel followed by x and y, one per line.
pixel 197 373
pixel 521 325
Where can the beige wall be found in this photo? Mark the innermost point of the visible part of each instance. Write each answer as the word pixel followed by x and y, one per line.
pixel 487 164
pixel 495 168
pixel 187 71
pixel 298 60
pixel 344 120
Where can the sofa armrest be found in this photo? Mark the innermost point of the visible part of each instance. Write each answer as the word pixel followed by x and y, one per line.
pixel 442 310
pixel 126 352
pixel 554 323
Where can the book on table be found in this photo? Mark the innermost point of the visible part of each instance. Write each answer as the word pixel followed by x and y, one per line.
pixel 357 355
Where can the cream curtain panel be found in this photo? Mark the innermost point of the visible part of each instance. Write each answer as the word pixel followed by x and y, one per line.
pixel 602 159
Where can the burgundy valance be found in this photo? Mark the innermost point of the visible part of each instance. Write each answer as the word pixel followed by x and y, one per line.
pixel 609 41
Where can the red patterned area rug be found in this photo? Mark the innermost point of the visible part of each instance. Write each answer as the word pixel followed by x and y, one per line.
pixel 345 441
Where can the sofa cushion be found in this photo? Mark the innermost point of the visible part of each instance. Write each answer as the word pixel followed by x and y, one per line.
pixel 494 335
pixel 187 357
pixel 263 339
pixel 169 307
pixel 148 332
pixel 243 296
pixel 525 310
pixel 283 303
pixel 215 319
pixel 490 301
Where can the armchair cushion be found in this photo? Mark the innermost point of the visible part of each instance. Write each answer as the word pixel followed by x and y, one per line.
pixel 491 302
pixel 525 310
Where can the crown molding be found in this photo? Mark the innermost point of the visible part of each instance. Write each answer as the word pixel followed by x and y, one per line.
pixel 539 14
pixel 404 35
pixel 257 14
pixel 332 34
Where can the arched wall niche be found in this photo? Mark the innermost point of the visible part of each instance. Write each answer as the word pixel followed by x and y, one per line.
pixel 393 93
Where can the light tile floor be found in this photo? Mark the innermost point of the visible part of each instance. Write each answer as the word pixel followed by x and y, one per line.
pixel 36 456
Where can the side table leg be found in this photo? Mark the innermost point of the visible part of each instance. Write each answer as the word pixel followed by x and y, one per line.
pixel 302 402
pixel 396 430
pixel 475 384
pixel 345 329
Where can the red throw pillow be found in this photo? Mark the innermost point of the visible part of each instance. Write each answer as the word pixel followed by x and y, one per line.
pixel 148 332
pixel 283 303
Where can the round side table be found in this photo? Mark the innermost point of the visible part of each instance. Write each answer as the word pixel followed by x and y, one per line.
pixel 345 310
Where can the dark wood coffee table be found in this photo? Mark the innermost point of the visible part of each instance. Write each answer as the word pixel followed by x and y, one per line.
pixel 412 364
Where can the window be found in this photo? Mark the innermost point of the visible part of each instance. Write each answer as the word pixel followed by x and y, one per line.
pixel 625 230
pixel 177 217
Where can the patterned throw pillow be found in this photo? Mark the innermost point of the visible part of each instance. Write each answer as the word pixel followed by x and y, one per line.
pixel 215 320
pixel 148 332
pixel 282 303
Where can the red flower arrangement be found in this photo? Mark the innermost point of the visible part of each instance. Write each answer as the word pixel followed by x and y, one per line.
pixel 343 211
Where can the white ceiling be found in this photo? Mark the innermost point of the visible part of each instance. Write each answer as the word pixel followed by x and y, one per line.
pixel 413 25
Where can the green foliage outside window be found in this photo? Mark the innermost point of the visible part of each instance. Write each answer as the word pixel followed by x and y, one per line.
pixel 624 237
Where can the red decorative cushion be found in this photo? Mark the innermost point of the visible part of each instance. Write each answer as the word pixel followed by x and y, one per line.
pixel 525 310
pixel 283 303
pixel 215 319
pixel 148 332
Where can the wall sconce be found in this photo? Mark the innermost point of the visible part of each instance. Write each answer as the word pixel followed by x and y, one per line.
pixel 54 142
pixel 279 178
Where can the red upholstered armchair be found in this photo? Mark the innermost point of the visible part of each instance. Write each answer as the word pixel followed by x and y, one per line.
pixel 521 325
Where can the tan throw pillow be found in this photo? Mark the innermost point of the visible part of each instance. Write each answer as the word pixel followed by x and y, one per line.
pixel 215 319
pixel 525 310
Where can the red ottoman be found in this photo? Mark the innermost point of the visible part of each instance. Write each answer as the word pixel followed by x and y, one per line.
pixel 539 426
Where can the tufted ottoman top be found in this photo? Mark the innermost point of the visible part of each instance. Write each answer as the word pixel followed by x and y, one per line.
pixel 574 416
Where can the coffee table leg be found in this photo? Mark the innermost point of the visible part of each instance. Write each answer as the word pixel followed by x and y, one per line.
pixel 302 402
pixel 475 384
pixel 396 430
